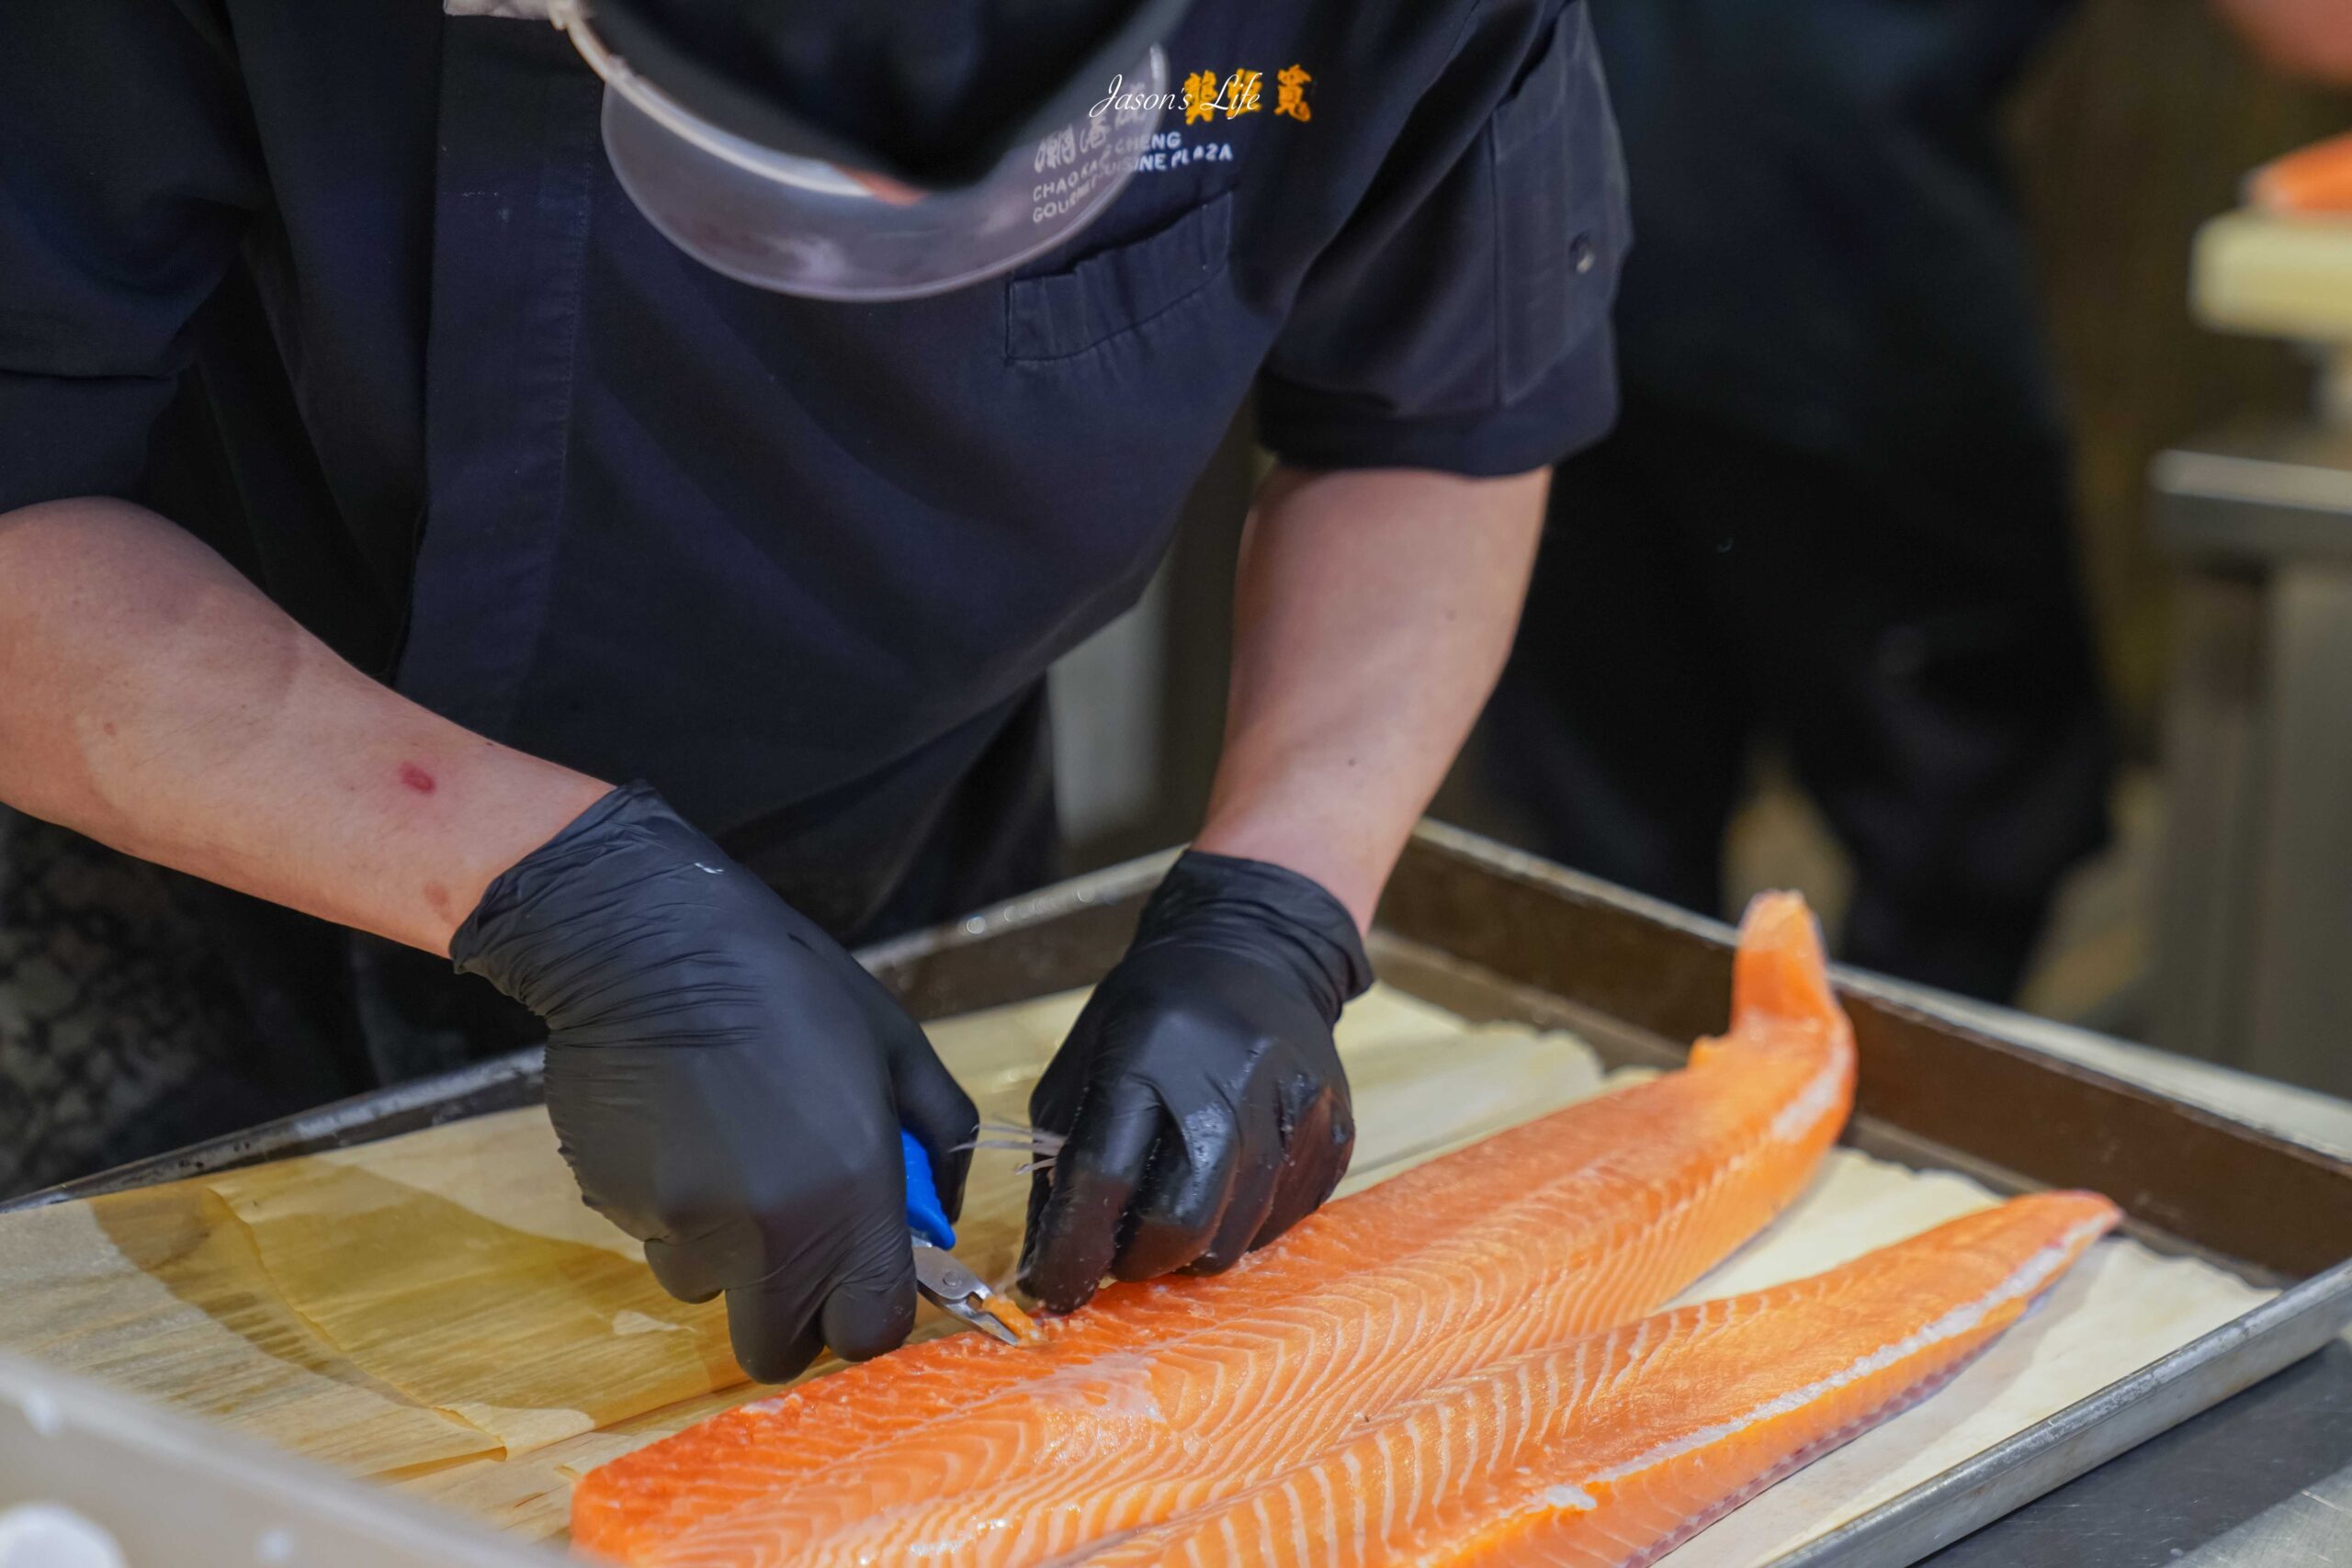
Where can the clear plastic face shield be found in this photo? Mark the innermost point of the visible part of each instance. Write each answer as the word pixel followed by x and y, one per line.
pixel 805 226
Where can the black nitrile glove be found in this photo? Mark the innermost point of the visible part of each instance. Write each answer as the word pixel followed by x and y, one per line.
pixel 1201 1098
pixel 727 1083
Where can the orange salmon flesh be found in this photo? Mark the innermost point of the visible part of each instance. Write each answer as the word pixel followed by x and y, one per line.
pixel 1615 1447
pixel 1160 1404
pixel 2316 179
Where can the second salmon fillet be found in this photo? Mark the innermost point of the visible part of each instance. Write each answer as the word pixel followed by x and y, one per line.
pixel 1611 1450
pixel 1169 1397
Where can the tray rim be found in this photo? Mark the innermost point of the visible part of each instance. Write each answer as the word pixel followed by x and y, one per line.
pixel 513 1079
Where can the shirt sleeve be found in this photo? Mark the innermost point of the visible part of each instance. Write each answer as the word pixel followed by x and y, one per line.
pixel 127 172
pixel 1460 319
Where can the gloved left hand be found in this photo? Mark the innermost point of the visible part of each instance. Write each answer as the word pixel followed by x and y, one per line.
pixel 1201 1098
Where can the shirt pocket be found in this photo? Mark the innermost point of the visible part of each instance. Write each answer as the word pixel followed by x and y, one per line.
pixel 1562 226
pixel 1062 314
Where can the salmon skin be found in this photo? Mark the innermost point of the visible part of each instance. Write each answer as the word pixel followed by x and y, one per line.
pixel 1611 1450
pixel 1171 1395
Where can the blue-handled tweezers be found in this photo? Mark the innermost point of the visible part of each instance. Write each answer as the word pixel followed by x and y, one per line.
pixel 946 1283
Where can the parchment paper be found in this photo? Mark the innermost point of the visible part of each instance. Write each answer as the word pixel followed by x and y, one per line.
pixel 284 1300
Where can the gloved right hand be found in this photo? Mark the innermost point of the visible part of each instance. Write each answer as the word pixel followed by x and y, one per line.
pixel 727 1083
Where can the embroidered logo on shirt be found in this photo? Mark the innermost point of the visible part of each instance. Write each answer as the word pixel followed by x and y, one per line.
pixel 1207 99
pixel 1209 96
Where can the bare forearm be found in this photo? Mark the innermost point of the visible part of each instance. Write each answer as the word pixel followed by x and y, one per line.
pixel 151 698
pixel 1373 614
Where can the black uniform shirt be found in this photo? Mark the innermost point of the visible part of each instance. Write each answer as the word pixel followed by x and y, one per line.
pixel 793 561
pixel 1830 256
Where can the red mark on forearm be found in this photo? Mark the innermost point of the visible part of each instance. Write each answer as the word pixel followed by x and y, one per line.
pixel 417 778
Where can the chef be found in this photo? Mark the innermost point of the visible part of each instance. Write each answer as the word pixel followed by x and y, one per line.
pixel 1874 570
pixel 596 502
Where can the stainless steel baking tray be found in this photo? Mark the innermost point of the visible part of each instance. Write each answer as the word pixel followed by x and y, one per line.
pixel 1495 934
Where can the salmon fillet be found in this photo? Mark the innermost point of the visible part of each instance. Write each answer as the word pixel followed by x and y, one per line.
pixel 2314 179
pixel 1611 1450
pixel 1170 1396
